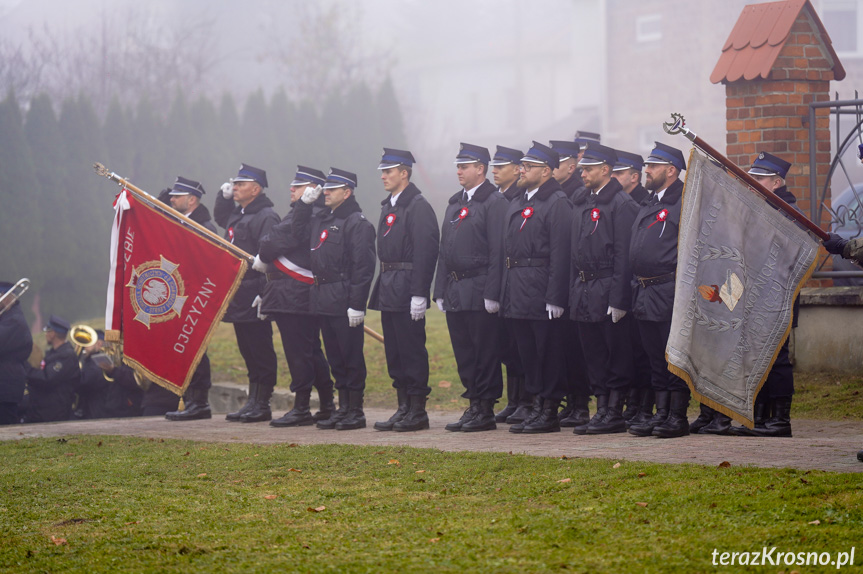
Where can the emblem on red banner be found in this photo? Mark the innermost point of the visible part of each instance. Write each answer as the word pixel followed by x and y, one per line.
pixel 156 292
pixel 526 214
pixel 323 237
pixel 391 218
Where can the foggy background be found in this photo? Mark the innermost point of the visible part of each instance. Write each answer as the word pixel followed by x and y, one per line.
pixel 211 83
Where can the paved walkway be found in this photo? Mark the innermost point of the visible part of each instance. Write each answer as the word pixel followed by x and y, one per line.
pixel 830 446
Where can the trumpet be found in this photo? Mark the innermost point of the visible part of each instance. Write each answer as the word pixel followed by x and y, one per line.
pixel 82 337
pixel 13 294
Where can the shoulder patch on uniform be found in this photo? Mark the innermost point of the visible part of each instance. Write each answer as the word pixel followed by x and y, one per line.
pixel 58 366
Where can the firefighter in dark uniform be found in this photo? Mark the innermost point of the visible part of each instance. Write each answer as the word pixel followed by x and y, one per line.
pixel 407 242
pixel 467 286
pixel 535 286
pixel 106 390
pixel 185 196
pixel 653 253
pixel 286 260
pixel 51 388
pixel 342 245
pixel 16 343
pixel 627 171
pixel 247 215
pixel 576 412
pixel 505 173
pixel 600 291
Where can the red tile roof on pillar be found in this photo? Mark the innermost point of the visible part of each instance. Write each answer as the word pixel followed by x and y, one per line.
pixel 759 35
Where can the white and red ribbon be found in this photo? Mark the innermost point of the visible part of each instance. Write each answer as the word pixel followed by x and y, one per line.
pixel 391 218
pixel 526 214
pixel 323 237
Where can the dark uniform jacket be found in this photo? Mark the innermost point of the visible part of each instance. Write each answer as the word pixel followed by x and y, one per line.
pixel 601 247
pixel 245 228
pixel 201 215
pixel 343 256
pixel 104 397
pixel 512 192
pixel 574 187
pixel 411 243
pixel 15 346
pixel 52 387
pixel 470 264
pixel 639 194
pixel 286 294
pixel 537 250
pixel 653 252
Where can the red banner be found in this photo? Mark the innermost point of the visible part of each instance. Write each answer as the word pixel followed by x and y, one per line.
pixel 168 289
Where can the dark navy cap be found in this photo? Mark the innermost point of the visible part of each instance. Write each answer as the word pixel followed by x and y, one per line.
pixel 306 175
pixel 539 153
pixel 598 154
pixel 58 324
pixel 584 138
pixel 185 186
pixel 626 160
pixel 249 173
pixel 394 157
pixel 768 164
pixel 665 154
pixel 469 153
pixel 566 149
pixel 506 155
pixel 100 334
pixel 340 178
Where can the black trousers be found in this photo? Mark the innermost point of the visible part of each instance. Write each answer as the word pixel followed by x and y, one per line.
pixel 509 351
pixel 577 382
pixel 9 414
pixel 654 338
pixel 475 343
pixel 608 346
pixel 255 341
pixel 780 379
pixel 344 346
pixel 540 346
pixel 405 349
pixel 201 379
pixel 301 342
pixel 642 372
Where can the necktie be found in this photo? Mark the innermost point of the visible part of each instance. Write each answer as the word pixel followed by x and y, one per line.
pixel 464 196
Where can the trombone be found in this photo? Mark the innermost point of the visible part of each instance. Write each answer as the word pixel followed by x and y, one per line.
pixel 13 294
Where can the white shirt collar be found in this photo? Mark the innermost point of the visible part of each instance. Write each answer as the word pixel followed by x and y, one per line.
pixel 394 198
pixel 600 189
pixel 531 193
pixel 471 191
pixel 659 194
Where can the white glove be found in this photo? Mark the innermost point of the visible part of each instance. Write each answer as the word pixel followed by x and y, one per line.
pixel 418 308
pixel 311 194
pixel 259 265
pixel 491 306
pixel 554 312
pixel 355 318
pixel 440 305
pixel 228 190
pixel 616 314
pixel 257 304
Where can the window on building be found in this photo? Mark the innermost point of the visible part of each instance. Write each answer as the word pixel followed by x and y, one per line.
pixel 648 28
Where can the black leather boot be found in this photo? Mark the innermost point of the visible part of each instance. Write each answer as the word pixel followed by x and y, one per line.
pixel 417 417
pixel 355 417
pixel 260 409
pixel 601 411
pixel 568 406
pixel 676 425
pixel 404 402
pixel 662 399
pixel 235 416
pixel 325 398
pixel 860 455
pixel 513 388
pixel 466 416
pixel 535 410
pixel 483 420
pixel 721 424
pixel 524 409
pixel 761 413
pixel 645 410
pixel 778 425
pixel 633 404
pixel 197 407
pixel 300 415
pixel 703 419
pixel 580 412
pixel 613 421
pixel 338 414
pixel 547 421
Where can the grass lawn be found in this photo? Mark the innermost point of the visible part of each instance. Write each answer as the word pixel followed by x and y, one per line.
pixel 108 504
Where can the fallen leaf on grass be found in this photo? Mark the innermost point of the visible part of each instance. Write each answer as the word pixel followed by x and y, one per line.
pixel 641 504
pixel 724 464
pixel 565 480
pixel 202 475
pixel 564 457
pixel 99 443
pixel 444 384
pixel 271 496
pixel 58 541
pixel 134 522
pixel 293 444
pixel 433 540
pixel 815 522
pixel 804 481
pixel 186 453
pixel 394 461
pixel 642 474
pixel 616 465
pixel 294 470
pixel 380 452
pixel 419 472
pixel 318 509
pixel 498 489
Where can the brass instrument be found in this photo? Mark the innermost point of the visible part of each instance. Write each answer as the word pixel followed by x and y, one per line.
pixel 13 294
pixel 82 337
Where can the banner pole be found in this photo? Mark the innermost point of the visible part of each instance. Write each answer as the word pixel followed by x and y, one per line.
pixel 144 196
pixel 676 126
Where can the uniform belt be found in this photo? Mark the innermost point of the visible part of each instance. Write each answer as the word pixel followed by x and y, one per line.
pixel 324 279
pixel 467 273
pixel 276 276
pixel 591 275
pixel 526 262
pixel 394 265
pixel 648 281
